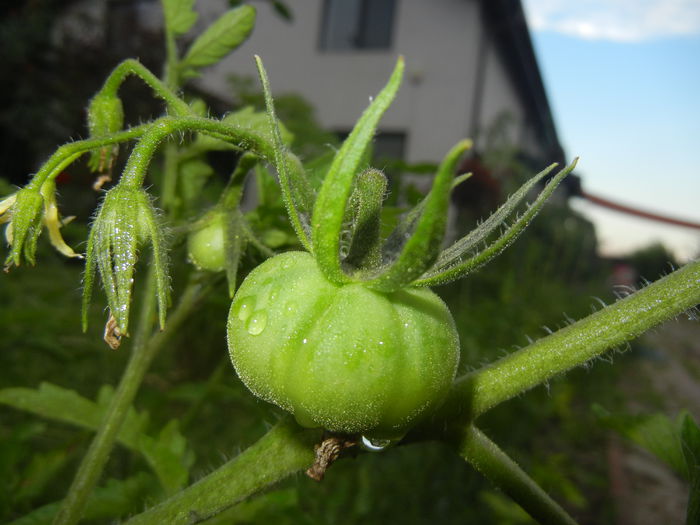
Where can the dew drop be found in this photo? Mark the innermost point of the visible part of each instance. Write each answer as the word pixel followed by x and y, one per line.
pixel 374 444
pixel 245 308
pixel 257 322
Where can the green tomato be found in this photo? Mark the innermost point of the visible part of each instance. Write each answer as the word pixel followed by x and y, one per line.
pixel 345 358
pixel 205 245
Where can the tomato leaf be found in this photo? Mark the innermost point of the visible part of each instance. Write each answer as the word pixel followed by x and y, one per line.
pixel 690 443
pixel 224 35
pixel 245 118
pixel 116 498
pixel 167 455
pixel 179 15
pixel 331 203
pixel 193 175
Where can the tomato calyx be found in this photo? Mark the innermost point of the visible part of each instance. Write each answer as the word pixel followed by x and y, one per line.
pixel 338 224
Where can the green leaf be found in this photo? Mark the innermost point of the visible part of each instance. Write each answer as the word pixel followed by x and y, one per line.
pixel 117 498
pixel 690 441
pixel 331 203
pixel 194 174
pixel 179 15
pixel 654 432
pixel 42 469
pixel 67 406
pixel 167 455
pixel 220 38
pixel 245 118
pixel 283 10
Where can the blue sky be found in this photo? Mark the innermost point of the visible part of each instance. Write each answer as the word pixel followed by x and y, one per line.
pixel 623 80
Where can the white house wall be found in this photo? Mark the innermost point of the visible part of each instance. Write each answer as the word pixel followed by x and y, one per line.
pixel 438 39
pixel 499 98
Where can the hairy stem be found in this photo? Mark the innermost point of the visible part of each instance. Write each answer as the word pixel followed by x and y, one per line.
pixel 143 351
pixel 70 152
pixel 284 450
pixel 477 392
pixel 486 457
pixel 138 162
pixel 160 89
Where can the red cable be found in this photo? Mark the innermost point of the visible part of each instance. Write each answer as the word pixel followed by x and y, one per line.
pixel 639 213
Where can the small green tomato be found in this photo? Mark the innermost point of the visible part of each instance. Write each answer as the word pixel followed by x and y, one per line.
pixel 205 244
pixel 342 357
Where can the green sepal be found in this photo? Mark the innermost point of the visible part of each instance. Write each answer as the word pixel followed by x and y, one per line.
pixel 24 227
pixel 364 242
pixel 452 265
pixel 331 203
pixel 105 116
pixel 421 248
pixel 125 221
pixel 297 193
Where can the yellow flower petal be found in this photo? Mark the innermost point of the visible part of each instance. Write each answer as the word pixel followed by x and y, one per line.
pixel 53 222
pixel 53 225
pixel 5 206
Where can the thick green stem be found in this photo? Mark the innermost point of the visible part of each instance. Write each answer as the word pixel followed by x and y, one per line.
pixel 284 450
pixel 143 351
pixel 485 456
pixel 477 392
pixel 161 90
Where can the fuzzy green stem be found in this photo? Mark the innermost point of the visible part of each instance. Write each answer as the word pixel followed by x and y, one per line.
pixel 284 450
pixel 160 89
pixel 59 160
pixel 169 198
pixel 138 162
pixel 172 61
pixel 143 351
pixel 477 392
pixel 486 457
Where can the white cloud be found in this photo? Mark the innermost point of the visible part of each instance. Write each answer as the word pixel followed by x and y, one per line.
pixel 617 20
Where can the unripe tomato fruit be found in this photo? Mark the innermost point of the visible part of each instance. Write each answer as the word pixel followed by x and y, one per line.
pixel 345 358
pixel 205 245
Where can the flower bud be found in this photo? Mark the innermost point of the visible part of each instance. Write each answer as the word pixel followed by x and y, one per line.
pixel 125 221
pixel 23 212
pixel 105 116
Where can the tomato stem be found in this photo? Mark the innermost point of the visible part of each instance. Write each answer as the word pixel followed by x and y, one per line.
pixel 475 393
pixel 487 458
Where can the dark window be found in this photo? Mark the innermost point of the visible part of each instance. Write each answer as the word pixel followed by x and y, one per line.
pixel 357 24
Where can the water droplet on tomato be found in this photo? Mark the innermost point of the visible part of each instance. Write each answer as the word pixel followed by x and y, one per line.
pixel 374 444
pixel 257 322
pixel 245 308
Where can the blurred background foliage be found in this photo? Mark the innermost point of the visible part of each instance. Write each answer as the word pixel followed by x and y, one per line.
pixel 550 276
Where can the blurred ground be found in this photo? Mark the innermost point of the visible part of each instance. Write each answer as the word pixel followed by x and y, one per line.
pixel 665 377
